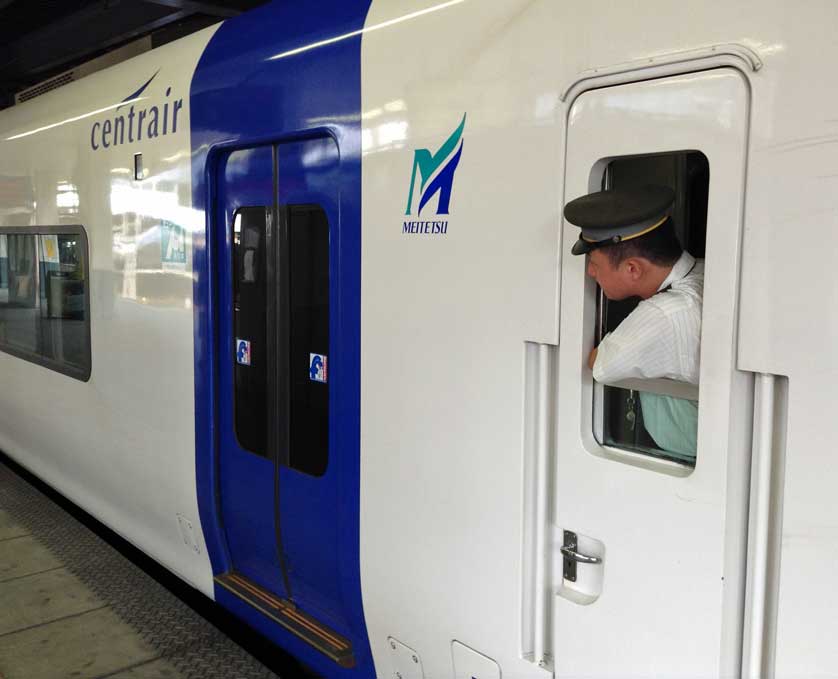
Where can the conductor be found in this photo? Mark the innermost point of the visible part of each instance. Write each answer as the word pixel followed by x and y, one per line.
pixel 632 250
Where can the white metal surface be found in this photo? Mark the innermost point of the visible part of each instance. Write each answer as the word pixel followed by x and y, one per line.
pixel 508 64
pixel 753 665
pixel 664 65
pixel 445 321
pixel 405 663
pixel 789 292
pixel 122 445
pixel 469 664
pixel 542 471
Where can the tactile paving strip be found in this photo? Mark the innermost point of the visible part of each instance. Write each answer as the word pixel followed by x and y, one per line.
pixel 186 640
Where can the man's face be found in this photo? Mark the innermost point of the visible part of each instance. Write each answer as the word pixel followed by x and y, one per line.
pixel 617 283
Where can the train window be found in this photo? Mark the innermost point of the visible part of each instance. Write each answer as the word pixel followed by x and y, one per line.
pixel 654 417
pixel 250 333
pixel 308 243
pixel 297 350
pixel 44 297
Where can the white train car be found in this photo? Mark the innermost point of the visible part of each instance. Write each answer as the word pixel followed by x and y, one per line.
pixel 289 304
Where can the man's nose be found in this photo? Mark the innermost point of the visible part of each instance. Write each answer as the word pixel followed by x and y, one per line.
pixel 590 269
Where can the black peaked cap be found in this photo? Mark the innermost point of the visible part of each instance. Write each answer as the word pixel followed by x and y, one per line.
pixel 618 214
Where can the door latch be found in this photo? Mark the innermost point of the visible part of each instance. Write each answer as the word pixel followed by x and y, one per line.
pixel 571 557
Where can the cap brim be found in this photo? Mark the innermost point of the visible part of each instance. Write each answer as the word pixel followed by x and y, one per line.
pixel 581 247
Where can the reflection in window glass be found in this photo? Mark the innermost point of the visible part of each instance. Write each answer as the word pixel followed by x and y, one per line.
pixel 297 350
pixel 43 300
pixel 250 333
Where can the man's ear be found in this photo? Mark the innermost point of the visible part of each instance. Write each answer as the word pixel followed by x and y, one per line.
pixel 634 268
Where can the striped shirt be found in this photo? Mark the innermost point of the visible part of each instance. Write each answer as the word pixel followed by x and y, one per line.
pixel 662 336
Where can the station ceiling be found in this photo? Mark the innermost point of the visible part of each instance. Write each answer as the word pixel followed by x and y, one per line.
pixel 40 39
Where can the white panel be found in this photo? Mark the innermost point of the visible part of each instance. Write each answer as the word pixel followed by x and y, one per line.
pixel 445 319
pixel 425 304
pixel 469 664
pixel 122 445
pixel 405 663
pixel 789 290
pixel 665 607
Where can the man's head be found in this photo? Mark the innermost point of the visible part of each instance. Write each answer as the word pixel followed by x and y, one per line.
pixel 629 237
pixel 635 267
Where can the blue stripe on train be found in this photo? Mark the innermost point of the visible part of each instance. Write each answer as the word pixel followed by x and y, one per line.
pixel 241 97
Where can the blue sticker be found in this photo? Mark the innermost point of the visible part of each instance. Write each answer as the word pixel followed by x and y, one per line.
pixel 242 352
pixel 318 370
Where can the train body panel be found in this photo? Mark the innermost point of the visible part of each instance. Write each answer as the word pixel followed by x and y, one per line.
pixel 400 450
pixel 122 444
pixel 454 383
pixel 446 511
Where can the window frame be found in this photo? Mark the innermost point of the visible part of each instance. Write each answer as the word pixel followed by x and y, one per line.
pixel 78 230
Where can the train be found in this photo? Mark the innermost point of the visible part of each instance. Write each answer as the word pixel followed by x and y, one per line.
pixel 289 304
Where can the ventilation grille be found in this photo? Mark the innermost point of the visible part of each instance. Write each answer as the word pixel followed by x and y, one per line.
pixel 46 86
pixel 132 49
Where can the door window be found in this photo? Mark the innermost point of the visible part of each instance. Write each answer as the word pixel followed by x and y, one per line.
pixel 301 277
pixel 308 242
pixel 250 335
pixel 652 417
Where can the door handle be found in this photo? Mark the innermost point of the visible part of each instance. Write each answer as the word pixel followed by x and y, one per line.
pixel 570 557
pixel 579 558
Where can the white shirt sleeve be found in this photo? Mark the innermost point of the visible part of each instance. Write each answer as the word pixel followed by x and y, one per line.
pixel 642 346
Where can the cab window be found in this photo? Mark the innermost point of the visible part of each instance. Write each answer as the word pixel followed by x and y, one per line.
pixel 638 417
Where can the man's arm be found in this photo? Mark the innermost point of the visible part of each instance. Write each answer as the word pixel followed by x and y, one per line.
pixel 637 348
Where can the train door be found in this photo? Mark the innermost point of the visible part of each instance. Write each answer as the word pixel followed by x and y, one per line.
pixel 277 243
pixel 649 542
pixel 246 232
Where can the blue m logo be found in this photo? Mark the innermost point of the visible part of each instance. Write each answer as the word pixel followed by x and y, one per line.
pixel 434 180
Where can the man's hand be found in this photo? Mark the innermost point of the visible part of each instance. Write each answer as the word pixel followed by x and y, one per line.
pixel 592 358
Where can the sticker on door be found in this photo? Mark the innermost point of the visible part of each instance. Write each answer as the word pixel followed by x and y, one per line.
pixel 242 352
pixel 317 368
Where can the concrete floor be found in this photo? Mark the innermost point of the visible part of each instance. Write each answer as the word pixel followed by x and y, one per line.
pixel 72 606
pixel 52 625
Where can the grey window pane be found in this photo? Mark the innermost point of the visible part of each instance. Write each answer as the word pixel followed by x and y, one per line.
pixel 44 316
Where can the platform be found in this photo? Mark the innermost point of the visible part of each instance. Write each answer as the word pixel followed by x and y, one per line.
pixel 73 606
